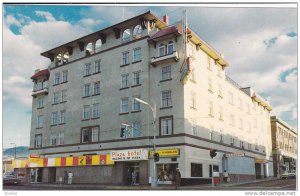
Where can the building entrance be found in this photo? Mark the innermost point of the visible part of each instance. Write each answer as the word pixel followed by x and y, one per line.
pixel 133 173
pixel 36 175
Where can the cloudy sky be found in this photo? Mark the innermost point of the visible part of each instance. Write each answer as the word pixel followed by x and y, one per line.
pixel 259 43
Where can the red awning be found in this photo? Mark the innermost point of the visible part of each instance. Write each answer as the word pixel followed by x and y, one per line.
pixel 44 72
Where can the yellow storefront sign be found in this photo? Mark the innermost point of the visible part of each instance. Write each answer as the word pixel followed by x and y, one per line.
pixel 166 152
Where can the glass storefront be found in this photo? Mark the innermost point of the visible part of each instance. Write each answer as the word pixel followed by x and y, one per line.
pixel 166 173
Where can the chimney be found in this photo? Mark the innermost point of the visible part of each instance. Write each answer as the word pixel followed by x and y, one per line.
pixel 166 19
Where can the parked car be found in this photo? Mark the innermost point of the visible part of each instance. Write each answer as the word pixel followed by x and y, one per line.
pixel 289 174
pixel 292 174
pixel 10 179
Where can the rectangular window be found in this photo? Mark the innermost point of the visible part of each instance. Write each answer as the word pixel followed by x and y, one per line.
pixel 230 98
pixel 40 121
pixel 248 108
pixel 86 90
pixel 166 98
pixel 95 134
pixel 231 121
pixel 136 106
pixel 241 124
pixel 65 76
pixel 124 105
pixel 193 75
pixel 209 64
pixel 166 72
pixel 85 135
pixel 63 95
pixel 41 102
pixel 56 78
pixel 125 58
pixel 97 66
pixel 87 69
pixel 96 110
pixel 54 118
pixel 210 109
pixel 166 125
pixel 162 50
pixel 137 54
pixel 38 141
pixel 97 88
pixel 53 139
pixel 221 113
pixel 196 170
pixel 61 137
pixel 63 117
pixel 193 100
pixel 210 87
pixel 124 80
pixel 56 98
pixel 220 91
pixel 240 104
pixel 86 112
pixel 136 129
pixel 136 78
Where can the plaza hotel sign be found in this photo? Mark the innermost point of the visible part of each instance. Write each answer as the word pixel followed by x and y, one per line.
pixel 129 155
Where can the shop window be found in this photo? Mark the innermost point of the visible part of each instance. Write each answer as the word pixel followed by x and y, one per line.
pixel 166 172
pixel 137 32
pixel 215 169
pixel 196 170
pixel 126 35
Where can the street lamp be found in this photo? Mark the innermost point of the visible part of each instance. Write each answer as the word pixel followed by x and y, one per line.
pixel 15 149
pixel 153 109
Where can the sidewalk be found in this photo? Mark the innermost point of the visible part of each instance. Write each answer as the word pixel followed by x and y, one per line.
pixel 140 187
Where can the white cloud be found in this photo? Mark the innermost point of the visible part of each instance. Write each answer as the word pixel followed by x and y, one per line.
pixel 11 20
pixel 47 15
pixel 21 53
pixel 88 22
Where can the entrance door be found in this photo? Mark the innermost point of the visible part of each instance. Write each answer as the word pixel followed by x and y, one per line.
pixel 36 175
pixel 134 168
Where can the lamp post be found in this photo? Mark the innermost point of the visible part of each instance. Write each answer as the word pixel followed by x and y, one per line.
pixel 153 109
pixel 15 150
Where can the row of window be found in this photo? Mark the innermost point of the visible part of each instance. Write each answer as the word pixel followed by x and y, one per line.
pixel 40 85
pixel 137 56
pixel 166 49
pixel 59 97
pixel 91 111
pixel 92 134
pixel 87 89
pixel 57 118
pixel 57 78
pixel 286 134
pixel 87 71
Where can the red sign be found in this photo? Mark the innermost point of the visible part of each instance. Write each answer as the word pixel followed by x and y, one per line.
pixel 34 156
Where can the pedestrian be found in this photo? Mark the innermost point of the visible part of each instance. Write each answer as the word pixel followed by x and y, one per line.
pixel 66 177
pixel 225 179
pixel 177 178
pixel 133 178
pixel 70 177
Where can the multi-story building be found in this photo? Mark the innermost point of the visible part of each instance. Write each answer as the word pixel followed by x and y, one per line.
pixel 284 146
pixel 87 95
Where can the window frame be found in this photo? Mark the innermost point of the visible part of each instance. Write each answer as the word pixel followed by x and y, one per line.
pixel 166 98
pixel 54 118
pixel 137 54
pixel 40 122
pixel 122 105
pixel 166 72
pixel 136 78
pixel 56 79
pixel 62 117
pixel 87 90
pixel 97 67
pixel 64 76
pixel 36 137
pixel 193 172
pixel 86 112
pixel 125 80
pixel 136 106
pixel 171 43
pixel 97 89
pixel 161 125
pixel 96 110
pixel 87 69
pixel 125 58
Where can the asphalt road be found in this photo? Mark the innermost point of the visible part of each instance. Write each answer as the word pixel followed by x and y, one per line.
pixel 273 185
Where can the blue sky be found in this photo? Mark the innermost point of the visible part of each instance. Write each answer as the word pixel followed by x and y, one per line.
pixel 260 45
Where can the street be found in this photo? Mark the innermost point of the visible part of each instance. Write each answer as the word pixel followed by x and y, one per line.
pixel 271 185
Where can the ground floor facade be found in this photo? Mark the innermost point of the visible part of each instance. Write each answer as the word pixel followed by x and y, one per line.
pixel 135 166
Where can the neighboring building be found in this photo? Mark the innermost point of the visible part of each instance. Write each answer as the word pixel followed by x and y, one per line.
pixel 284 146
pixel 7 165
pixel 88 91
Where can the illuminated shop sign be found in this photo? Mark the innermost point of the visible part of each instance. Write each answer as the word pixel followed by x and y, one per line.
pixel 129 155
pixel 166 152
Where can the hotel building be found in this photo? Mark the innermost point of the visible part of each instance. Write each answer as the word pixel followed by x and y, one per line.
pixel 87 95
